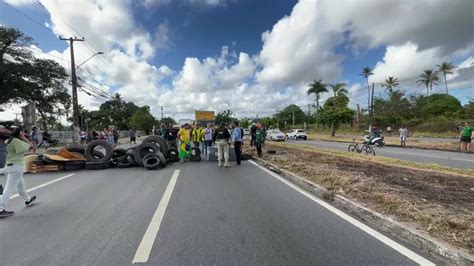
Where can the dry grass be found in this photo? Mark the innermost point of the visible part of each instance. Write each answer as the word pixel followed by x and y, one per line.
pixel 438 200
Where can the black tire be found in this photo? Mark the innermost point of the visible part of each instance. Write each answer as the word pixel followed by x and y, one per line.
pixel 74 163
pixel 98 154
pixel 130 151
pixel 379 143
pixel 75 148
pixel 39 162
pixel 152 162
pixel 368 150
pixel 195 154
pixel 142 150
pixel 96 165
pixel 352 148
pixel 162 159
pixel 131 160
pixel 48 161
pixel 118 153
pixel 124 164
pixel 89 153
pixel 271 151
pixel 73 167
pixel 173 155
pixel 162 143
pixel 148 155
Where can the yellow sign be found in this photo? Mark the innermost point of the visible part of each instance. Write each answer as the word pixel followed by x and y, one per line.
pixel 204 115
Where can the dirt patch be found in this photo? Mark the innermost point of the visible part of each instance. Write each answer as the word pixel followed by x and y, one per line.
pixel 438 203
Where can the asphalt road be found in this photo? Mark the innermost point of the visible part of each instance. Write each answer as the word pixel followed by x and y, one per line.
pixel 446 158
pixel 215 216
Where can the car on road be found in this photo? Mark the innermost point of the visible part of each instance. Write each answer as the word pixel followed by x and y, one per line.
pixel 275 135
pixel 297 134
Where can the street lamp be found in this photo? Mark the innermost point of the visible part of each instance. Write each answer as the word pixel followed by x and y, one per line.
pixel 89 58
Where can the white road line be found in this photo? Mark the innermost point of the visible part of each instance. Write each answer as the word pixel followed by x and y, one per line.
pixel 43 185
pixel 144 249
pixel 387 241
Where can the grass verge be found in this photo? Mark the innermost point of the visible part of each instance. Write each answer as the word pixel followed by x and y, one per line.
pixel 436 199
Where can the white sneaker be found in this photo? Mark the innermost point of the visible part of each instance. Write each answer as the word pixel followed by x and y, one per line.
pixel 220 165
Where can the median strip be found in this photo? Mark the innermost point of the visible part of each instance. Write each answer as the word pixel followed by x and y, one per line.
pixel 144 249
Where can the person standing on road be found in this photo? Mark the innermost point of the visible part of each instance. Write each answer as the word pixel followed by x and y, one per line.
pixel 83 136
pixel 403 136
pixel 184 137
pixel 222 136
pixel 116 136
pixel 110 137
pixel 45 138
pixel 207 138
pixel 253 130
pixel 17 145
pixel 466 136
pixel 237 136
pixel 34 136
pixel 196 134
pixel 259 138
pixel 133 136
pixel 170 137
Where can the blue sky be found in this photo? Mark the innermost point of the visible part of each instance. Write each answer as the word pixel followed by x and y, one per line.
pixel 248 56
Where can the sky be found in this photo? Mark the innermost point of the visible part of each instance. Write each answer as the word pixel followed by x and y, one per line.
pixel 252 57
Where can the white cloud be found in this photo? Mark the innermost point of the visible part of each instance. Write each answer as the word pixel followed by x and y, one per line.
pixel 163 38
pixel 406 62
pixel 299 48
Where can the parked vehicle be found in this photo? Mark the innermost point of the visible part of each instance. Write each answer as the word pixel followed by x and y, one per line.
pixel 275 135
pixel 297 134
pixel 246 132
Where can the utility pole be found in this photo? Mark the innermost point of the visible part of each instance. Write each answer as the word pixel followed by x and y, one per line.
pixel 75 104
pixel 161 114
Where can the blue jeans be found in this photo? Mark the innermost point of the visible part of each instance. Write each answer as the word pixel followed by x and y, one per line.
pixel 206 144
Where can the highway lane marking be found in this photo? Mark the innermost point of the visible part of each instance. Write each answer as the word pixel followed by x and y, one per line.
pixel 43 185
pixel 387 241
pixel 144 249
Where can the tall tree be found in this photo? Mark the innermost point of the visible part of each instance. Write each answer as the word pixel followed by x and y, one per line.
pixel 428 78
pixel 446 68
pixel 366 72
pixel 316 88
pixel 338 90
pixel 390 84
pixel 289 113
pixel 225 117
pixel 335 111
pixel 142 119
pixel 15 65
pixel 47 87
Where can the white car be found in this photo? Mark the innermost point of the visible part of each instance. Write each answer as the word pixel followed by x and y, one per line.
pixel 275 135
pixel 246 132
pixel 297 134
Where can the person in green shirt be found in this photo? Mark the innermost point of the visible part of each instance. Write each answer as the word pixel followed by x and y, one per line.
pixel 17 145
pixel 259 139
pixel 466 134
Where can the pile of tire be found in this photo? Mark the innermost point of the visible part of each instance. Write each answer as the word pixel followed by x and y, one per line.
pixel 153 153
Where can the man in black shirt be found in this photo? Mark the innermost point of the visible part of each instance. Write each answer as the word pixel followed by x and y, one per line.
pixel 170 135
pixel 222 136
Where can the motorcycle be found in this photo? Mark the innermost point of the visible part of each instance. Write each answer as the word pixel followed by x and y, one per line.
pixel 376 141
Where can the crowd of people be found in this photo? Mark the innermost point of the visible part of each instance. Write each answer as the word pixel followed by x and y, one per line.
pixel 187 136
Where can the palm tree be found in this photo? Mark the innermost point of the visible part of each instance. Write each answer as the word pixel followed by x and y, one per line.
pixel 316 88
pixel 391 83
pixel 446 68
pixel 366 72
pixel 428 78
pixel 338 89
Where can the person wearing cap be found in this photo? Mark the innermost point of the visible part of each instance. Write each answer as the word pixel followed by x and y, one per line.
pixel 222 136
pixel 17 145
